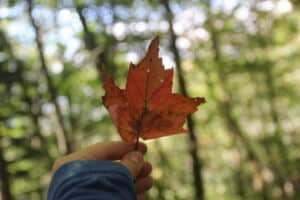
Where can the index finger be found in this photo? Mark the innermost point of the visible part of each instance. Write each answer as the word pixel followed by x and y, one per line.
pixel 101 151
pixel 111 150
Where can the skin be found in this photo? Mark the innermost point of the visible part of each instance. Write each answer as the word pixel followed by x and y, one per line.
pixel 121 152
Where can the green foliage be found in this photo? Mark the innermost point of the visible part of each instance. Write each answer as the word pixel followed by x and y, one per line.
pixel 244 58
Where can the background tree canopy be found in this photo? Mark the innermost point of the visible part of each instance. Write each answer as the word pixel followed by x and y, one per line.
pixel 243 56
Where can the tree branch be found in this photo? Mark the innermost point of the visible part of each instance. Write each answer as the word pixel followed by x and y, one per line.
pixel 197 164
pixel 61 134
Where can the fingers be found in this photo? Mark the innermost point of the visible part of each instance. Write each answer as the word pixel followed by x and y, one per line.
pixel 143 184
pixel 134 162
pixel 111 150
pixel 146 170
pixel 101 151
pixel 141 196
pixel 143 181
pixel 140 170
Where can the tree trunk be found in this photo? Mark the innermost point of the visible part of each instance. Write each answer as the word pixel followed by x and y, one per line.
pixel 274 114
pixel 225 106
pixel 34 114
pixel 4 176
pixel 100 54
pixel 271 95
pixel 283 162
pixel 197 164
pixel 61 133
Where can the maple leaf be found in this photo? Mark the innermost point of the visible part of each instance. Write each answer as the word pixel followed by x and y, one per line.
pixel 147 107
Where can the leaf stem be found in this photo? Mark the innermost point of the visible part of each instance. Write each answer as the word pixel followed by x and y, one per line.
pixel 136 142
pixel 139 125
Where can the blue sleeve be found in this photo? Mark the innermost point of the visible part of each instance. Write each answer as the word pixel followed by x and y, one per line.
pixel 91 180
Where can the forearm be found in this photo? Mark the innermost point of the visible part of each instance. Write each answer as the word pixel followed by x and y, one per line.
pixel 82 180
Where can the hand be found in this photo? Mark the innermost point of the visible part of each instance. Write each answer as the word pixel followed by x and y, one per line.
pixel 117 151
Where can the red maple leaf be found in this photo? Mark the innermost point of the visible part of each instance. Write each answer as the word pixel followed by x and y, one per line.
pixel 147 107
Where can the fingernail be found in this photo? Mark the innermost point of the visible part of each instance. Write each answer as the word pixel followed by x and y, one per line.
pixel 135 156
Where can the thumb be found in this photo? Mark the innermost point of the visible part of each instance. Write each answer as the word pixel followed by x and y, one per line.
pixel 133 161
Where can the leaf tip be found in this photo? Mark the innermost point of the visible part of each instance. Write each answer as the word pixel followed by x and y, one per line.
pixel 154 44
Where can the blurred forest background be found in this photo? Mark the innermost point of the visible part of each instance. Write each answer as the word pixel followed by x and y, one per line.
pixel 242 55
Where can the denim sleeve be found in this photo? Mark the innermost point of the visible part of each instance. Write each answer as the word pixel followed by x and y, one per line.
pixel 91 180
